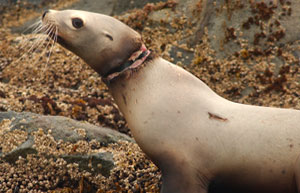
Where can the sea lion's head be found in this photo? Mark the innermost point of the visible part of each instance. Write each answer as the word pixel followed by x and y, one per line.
pixel 101 41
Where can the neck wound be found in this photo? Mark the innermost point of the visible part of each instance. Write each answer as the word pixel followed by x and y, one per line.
pixel 135 60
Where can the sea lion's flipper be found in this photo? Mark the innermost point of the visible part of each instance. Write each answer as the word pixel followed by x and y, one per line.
pixel 297 173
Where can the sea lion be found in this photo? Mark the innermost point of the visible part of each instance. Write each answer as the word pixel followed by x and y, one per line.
pixel 200 141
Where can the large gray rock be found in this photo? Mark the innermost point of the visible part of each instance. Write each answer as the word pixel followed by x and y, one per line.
pixel 111 7
pixel 24 128
pixel 256 23
pixel 62 127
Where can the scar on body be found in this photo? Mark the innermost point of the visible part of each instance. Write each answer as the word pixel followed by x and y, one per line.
pixel 216 117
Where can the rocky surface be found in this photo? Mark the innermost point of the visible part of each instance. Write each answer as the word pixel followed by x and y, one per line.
pixel 240 25
pixel 20 130
pixel 44 153
pixel 246 51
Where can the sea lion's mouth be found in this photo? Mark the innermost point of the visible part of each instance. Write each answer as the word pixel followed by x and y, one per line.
pixel 61 41
pixel 134 61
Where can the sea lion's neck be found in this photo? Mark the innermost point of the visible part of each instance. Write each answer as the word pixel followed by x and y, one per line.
pixel 128 86
pixel 146 90
pixel 156 91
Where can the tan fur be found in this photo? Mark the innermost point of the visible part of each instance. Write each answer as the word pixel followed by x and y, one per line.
pixel 198 139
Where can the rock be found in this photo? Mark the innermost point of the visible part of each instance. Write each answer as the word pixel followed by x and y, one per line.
pixel 22 150
pixel 4 3
pixel 122 6
pixel 111 7
pixel 48 153
pixel 57 137
pixel 233 25
pixel 100 162
pixel 61 127
pixel 107 7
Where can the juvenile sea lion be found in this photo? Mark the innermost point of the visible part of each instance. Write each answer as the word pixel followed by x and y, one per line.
pixel 201 141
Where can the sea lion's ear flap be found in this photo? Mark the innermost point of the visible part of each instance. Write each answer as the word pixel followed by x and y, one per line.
pixel 108 35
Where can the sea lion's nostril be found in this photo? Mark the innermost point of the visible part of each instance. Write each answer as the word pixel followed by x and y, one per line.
pixel 44 14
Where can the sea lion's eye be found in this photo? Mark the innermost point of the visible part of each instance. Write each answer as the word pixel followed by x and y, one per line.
pixel 77 23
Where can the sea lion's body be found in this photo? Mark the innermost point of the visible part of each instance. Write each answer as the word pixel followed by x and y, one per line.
pixel 192 133
pixel 198 139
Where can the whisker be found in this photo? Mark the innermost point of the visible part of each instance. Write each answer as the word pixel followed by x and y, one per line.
pixel 33 26
pixel 39 27
pixel 38 41
pixel 30 49
pixel 42 37
pixel 53 43
pixel 46 34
